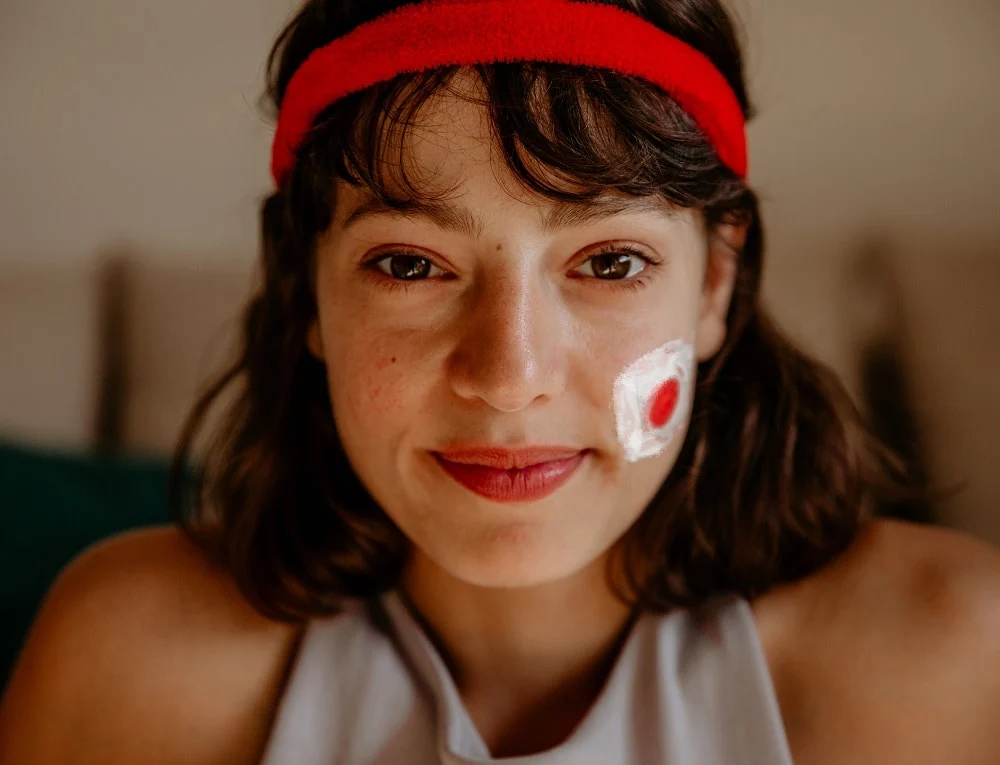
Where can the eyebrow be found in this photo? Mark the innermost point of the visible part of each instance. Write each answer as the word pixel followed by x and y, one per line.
pixel 562 214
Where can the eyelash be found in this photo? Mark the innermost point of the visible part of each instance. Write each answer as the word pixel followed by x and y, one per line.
pixel 633 284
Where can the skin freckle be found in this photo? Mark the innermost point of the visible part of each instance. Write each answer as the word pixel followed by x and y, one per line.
pixel 384 363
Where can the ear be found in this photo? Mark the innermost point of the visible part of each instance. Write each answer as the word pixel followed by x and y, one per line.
pixel 726 241
pixel 314 340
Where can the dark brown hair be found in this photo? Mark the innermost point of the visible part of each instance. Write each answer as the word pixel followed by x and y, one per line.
pixel 777 471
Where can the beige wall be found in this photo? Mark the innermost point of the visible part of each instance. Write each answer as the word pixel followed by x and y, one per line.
pixel 132 121
pixel 875 113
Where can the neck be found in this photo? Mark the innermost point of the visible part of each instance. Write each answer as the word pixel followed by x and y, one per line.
pixel 516 651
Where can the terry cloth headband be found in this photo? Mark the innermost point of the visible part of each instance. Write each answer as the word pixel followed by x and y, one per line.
pixel 437 33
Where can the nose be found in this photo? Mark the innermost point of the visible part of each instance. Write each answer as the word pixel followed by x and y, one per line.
pixel 512 351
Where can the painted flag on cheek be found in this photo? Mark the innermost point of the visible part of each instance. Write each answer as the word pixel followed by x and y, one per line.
pixel 650 398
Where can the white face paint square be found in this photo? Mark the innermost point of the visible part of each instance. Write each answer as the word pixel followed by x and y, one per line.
pixel 650 398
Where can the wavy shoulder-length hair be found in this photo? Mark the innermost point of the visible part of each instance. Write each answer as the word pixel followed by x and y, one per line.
pixel 777 472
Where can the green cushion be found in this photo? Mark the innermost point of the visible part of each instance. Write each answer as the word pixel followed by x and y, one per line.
pixel 52 506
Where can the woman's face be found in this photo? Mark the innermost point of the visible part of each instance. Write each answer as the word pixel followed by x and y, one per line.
pixel 503 319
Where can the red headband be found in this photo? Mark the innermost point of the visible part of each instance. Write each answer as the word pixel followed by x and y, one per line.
pixel 437 33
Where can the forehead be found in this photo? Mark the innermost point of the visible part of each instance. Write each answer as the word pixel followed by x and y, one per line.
pixel 445 147
pixel 459 215
pixel 445 165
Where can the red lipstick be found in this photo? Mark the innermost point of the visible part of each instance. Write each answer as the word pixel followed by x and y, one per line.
pixel 511 475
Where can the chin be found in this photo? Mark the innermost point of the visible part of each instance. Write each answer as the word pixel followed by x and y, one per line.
pixel 516 556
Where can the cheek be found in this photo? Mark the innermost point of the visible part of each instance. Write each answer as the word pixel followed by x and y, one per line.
pixel 380 389
pixel 372 382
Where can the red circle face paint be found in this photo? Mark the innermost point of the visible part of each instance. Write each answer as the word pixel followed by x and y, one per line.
pixel 664 402
pixel 650 396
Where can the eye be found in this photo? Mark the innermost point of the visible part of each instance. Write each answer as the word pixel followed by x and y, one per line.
pixel 616 263
pixel 617 266
pixel 404 266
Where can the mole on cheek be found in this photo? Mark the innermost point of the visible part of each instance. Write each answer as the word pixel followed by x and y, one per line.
pixel 380 387
pixel 380 365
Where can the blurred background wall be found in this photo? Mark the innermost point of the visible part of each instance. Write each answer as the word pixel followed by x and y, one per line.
pixel 130 135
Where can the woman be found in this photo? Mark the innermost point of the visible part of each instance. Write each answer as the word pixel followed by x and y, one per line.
pixel 519 468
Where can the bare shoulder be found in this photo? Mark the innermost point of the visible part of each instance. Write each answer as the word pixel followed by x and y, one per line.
pixel 899 575
pixel 893 649
pixel 143 651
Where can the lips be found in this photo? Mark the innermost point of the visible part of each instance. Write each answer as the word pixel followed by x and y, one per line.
pixel 507 459
pixel 502 475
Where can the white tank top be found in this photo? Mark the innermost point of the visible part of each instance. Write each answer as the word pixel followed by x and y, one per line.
pixel 370 688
